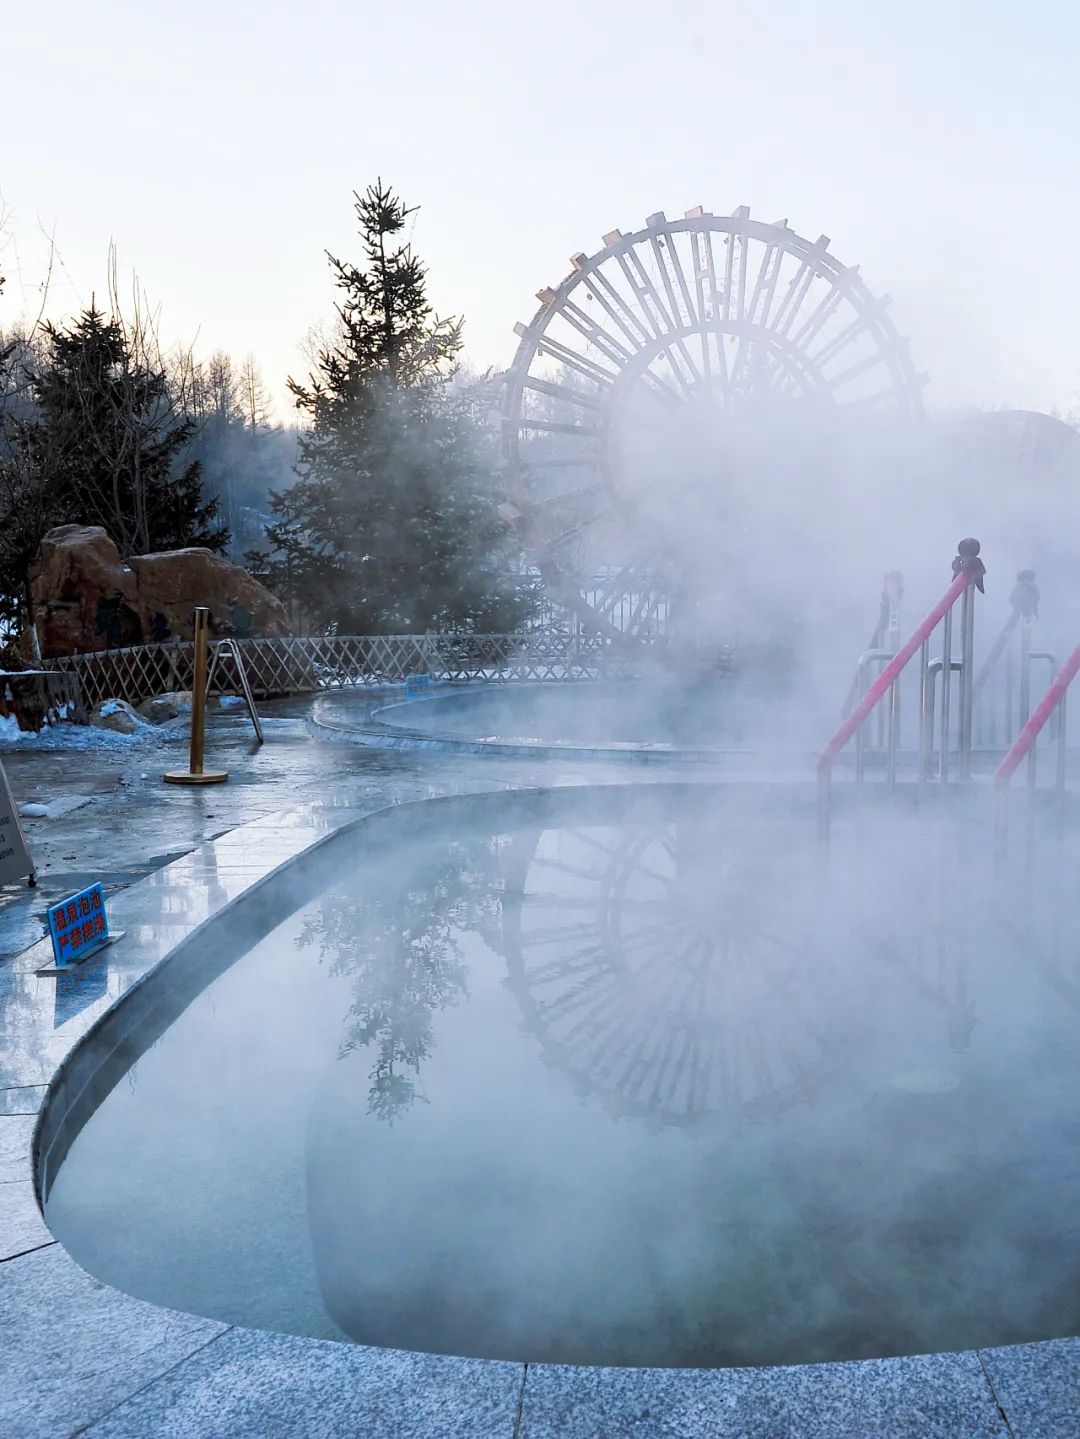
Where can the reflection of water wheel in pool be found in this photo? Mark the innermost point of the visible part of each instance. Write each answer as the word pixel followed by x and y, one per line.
pixel 636 369
pixel 672 989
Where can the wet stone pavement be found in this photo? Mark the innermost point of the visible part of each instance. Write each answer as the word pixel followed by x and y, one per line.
pixel 113 819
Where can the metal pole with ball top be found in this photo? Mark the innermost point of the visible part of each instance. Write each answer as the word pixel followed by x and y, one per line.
pixel 195 773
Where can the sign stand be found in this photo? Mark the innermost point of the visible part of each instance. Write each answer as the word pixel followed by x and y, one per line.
pixel 78 928
pixel 55 969
pixel 15 861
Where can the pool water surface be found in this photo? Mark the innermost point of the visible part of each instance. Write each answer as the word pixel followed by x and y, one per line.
pixel 666 712
pixel 611 1083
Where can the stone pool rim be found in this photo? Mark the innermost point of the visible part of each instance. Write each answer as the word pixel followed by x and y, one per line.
pixel 961 1393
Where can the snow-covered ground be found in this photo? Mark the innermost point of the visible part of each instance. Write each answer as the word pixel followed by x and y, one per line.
pixel 93 737
pixel 77 736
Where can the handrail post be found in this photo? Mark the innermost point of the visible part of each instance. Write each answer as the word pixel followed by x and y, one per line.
pixel 894 726
pixel 1024 604
pixel 860 754
pixel 946 691
pixel 893 593
pixel 1060 711
pixel 926 737
pixel 1024 742
pixel 1025 672
pixel 968 564
pixel 967 678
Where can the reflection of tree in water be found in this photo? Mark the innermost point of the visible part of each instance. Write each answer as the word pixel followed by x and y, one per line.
pixel 675 970
pixel 398 937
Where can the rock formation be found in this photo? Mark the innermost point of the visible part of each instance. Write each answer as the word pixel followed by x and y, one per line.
pixel 116 715
pixel 87 598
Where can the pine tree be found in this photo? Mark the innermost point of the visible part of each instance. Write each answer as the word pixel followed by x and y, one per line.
pixel 108 437
pixel 392 522
pixel 26 504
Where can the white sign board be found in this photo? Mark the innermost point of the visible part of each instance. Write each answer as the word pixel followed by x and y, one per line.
pixel 15 861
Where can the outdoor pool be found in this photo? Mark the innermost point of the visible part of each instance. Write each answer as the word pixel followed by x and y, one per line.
pixel 609 1075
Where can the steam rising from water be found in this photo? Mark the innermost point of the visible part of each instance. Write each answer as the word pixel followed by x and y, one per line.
pixel 638 1082
pixel 784 523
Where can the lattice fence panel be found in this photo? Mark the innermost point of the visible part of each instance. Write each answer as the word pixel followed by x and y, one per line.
pixel 306 665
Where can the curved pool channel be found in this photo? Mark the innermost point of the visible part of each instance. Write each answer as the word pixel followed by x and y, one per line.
pixel 590 713
pixel 614 1075
pixel 669 720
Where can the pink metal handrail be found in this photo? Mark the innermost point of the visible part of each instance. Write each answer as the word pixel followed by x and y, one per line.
pixel 1024 741
pixel 884 681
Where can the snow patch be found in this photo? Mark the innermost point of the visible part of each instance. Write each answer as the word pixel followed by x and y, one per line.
pixel 80 737
pixel 56 808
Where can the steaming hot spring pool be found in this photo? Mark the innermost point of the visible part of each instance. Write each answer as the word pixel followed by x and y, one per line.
pixel 668 713
pixel 616 1075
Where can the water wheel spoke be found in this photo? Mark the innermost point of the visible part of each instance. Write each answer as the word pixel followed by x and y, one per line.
pixel 657 338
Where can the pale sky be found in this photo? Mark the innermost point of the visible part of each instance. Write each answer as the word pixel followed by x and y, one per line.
pixel 218 144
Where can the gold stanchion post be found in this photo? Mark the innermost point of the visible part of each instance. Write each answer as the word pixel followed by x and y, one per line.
pixel 195 773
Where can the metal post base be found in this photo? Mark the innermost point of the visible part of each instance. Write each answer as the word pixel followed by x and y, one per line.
pixel 185 776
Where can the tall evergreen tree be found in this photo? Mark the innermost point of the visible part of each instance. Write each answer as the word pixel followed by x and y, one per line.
pixel 106 440
pixel 29 499
pixel 92 432
pixel 392 522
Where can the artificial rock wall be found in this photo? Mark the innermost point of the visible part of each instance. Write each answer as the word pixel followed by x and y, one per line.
pixel 87 598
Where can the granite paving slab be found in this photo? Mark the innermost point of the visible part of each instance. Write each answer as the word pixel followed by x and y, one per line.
pixel 21 1225
pixel 937 1396
pixel 15 1134
pixel 250 1385
pixel 1038 1386
pixel 34 1061
pixel 71 1349
pixel 22 1099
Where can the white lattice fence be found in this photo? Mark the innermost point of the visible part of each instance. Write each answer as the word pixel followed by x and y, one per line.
pixel 304 665
pixel 134 673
